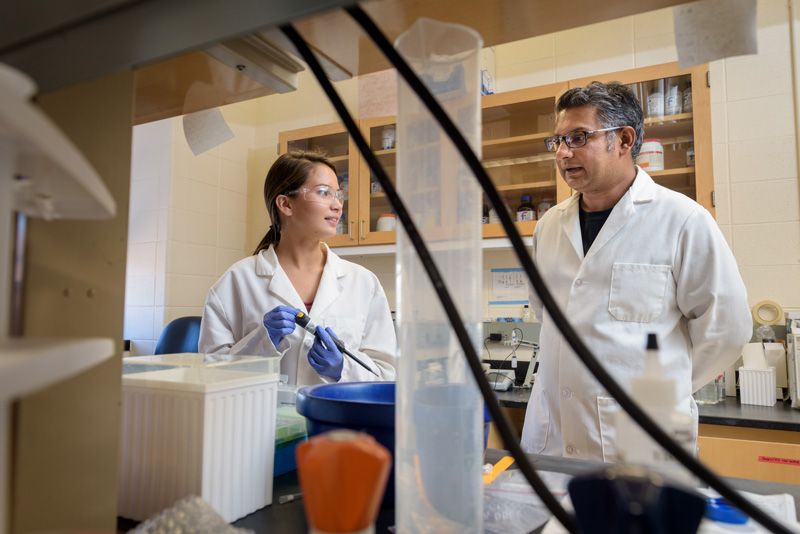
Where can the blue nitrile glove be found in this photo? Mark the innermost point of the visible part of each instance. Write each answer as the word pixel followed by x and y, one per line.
pixel 328 362
pixel 280 322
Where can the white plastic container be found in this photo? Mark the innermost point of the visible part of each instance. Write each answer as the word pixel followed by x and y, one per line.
pixel 544 205
pixel 757 386
pixel 388 137
pixel 207 431
pixel 651 156
pixel 386 222
pixel 439 428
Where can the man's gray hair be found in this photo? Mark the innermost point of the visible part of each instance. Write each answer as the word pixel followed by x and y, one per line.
pixel 616 106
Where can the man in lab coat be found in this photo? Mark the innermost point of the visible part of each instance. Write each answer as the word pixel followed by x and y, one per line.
pixel 623 257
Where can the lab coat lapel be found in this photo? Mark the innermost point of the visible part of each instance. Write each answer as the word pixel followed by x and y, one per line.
pixel 279 285
pixel 329 287
pixel 570 224
pixel 641 191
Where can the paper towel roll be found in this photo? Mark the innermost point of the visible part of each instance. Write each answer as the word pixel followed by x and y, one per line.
pixel 767 312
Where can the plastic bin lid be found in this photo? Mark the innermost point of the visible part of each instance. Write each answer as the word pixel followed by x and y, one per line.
pixel 188 359
pixel 197 379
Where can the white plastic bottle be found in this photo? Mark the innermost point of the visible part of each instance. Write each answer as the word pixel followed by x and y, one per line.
pixel 544 205
pixel 656 395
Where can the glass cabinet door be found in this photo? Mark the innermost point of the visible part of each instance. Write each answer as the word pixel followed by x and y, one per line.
pixel 334 142
pixel 515 125
pixel 377 221
pixel 676 149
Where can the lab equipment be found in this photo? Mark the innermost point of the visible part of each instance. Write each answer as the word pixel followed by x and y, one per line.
pixel 439 406
pixel 501 380
pixel 342 474
pixel 362 406
pixel 305 321
pixel 658 397
pixel 709 393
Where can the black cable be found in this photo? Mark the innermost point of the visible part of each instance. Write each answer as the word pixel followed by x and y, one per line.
pixel 490 398
pixel 569 334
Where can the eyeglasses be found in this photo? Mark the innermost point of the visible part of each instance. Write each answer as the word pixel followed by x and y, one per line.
pixel 320 193
pixel 573 139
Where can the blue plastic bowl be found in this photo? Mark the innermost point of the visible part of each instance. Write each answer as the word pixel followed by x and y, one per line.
pixel 360 406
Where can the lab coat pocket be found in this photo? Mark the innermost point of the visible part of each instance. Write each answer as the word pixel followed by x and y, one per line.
pixel 349 331
pixel 637 291
pixel 607 409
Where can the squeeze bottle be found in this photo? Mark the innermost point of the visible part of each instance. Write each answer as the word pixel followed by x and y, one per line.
pixel 656 395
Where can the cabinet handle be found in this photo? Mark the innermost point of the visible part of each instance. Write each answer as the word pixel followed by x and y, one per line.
pixel 350 231
pixel 361 228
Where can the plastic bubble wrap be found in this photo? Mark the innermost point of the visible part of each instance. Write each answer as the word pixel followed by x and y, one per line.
pixel 510 506
pixel 191 515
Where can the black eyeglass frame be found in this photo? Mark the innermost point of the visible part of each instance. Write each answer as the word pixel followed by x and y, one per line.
pixel 556 139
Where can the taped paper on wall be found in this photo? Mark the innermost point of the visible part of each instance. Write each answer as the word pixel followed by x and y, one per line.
pixel 509 286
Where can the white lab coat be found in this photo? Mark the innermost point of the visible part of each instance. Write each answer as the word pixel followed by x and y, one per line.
pixel 349 300
pixel 659 264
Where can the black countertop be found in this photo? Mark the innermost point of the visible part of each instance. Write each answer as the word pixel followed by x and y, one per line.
pixel 290 518
pixel 729 412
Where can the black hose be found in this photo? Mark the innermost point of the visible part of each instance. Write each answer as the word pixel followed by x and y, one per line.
pixel 594 366
pixel 499 417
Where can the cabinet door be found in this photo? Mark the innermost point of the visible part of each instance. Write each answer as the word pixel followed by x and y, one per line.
pixel 515 125
pixel 374 207
pixel 334 141
pixel 681 132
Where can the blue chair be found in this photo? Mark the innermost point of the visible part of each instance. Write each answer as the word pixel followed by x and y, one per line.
pixel 180 335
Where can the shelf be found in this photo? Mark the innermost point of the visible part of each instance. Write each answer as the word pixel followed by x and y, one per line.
pixel 515 147
pixel 549 184
pixel 337 159
pixel 666 128
pixel 671 172
pixel 60 183
pixel 27 364
pixel 523 160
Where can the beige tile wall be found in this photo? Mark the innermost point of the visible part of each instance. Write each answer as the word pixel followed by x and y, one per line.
pixel 215 213
pixel 188 220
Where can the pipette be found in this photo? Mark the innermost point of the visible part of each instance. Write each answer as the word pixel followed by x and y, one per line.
pixel 305 321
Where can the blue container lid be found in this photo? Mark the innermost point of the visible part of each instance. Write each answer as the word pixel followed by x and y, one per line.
pixel 525 198
pixel 349 403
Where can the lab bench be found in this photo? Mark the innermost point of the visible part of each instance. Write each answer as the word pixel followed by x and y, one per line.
pixel 734 439
pixel 290 518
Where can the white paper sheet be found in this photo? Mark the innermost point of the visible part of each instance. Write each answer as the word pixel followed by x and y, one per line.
pixel 206 129
pixel 714 29
pixel 509 286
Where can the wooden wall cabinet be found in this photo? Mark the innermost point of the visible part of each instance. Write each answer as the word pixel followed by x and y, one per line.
pixel 675 130
pixel 514 126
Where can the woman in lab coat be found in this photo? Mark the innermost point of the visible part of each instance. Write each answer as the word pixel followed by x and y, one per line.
pixel 250 310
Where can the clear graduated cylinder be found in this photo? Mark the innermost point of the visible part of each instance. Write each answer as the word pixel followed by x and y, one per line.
pixel 439 411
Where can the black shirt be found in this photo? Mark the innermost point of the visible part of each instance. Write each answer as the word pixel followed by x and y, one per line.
pixel 591 223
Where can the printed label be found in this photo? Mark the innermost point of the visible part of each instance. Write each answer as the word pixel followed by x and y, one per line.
pixel 782 461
